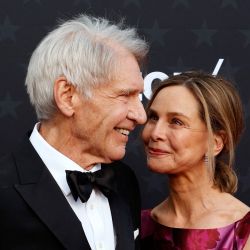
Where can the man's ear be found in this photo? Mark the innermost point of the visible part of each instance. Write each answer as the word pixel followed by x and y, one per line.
pixel 219 140
pixel 63 94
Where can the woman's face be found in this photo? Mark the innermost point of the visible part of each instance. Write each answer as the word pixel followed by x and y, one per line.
pixel 175 137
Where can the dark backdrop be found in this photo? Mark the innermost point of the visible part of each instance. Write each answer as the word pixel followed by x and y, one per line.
pixel 184 34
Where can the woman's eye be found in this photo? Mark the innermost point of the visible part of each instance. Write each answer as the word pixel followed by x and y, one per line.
pixel 177 122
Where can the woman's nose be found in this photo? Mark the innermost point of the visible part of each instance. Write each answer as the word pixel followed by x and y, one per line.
pixel 159 132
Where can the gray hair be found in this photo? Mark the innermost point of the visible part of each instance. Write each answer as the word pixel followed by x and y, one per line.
pixel 80 50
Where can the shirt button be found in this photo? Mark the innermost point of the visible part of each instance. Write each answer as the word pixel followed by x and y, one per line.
pixel 100 245
pixel 91 206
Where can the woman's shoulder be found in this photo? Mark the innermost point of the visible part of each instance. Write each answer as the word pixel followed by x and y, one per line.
pixel 243 226
pixel 227 210
pixel 146 213
pixel 242 231
pixel 148 225
pixel 240 211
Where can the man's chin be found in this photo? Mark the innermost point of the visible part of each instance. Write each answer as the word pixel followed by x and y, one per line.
pixel 117 154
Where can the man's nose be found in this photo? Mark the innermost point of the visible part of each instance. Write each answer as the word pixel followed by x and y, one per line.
pixel 137 112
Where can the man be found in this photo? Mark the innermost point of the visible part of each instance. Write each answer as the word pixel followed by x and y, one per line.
pixel 84 82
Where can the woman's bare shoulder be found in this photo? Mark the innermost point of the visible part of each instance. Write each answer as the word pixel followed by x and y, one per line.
pixel 228 210
pixel 238 208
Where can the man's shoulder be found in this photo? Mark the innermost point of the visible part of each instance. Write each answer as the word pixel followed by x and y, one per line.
pixel 125 178
pixel 122 170
pixel 8 162
pixel 122 166
pixel 8 173
pixel 128 188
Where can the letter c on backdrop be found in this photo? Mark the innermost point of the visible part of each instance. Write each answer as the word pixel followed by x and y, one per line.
pixel 148 82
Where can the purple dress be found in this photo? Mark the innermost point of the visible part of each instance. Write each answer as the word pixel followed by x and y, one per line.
pixel 155 236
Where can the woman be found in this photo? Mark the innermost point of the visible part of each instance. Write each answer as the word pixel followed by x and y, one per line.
pixel 194 123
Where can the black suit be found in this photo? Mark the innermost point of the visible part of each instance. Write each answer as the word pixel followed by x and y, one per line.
pixel 34 213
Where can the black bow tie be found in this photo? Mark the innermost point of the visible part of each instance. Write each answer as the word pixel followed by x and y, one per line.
pixel 82 183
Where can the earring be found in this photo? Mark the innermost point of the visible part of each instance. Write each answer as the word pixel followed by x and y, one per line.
pixel 206 159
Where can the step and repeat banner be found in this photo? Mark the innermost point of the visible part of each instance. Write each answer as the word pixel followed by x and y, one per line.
pixel 183 34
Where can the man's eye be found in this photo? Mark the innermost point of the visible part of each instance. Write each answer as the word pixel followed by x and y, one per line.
pixel 125 93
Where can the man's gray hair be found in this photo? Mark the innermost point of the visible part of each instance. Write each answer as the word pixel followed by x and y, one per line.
pixel 81 51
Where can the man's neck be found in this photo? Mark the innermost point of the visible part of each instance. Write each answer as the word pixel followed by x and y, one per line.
pixel 58 135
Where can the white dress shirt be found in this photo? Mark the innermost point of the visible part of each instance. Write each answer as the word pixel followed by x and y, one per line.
pixel 95 214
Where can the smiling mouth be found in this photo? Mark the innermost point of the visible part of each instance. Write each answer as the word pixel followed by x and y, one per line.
pixel 123 131
pixel 155 151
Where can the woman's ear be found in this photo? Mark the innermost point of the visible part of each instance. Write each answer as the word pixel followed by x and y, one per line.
pixel 63 94
pixel 219 140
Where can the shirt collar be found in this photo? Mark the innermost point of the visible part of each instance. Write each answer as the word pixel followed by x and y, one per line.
pixel 55 161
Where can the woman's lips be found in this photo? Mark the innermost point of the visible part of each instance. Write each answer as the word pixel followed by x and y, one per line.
pixel 157 151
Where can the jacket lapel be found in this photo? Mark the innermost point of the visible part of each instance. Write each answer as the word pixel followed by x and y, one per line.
pixel 41 192
pixel 122 223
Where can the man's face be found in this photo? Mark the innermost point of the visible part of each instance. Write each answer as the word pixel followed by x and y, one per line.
pixel 103 122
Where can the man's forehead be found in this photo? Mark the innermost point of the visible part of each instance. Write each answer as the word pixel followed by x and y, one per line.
pixel 129 88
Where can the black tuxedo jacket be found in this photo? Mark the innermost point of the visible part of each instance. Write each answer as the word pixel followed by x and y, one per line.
pixel 34 213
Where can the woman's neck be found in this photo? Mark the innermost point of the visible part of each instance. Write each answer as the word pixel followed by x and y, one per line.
pixel 191 198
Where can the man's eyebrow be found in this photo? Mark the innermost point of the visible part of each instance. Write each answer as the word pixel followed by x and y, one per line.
pixel 128 91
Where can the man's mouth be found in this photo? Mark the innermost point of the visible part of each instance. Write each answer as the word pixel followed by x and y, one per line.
pixel 123 131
